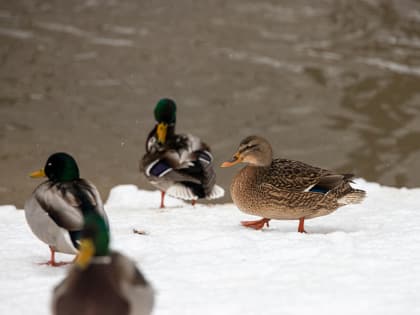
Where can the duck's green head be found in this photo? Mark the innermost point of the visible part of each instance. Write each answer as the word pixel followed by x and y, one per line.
pixel 165 111
pixel 165 115
pixel 95 239
pixel 60 167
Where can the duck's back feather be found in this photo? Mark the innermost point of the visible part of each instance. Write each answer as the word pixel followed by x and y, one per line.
pixel 54 212
pixel 298 176
pixel 113 287
pixel 184 160
pixel 64 202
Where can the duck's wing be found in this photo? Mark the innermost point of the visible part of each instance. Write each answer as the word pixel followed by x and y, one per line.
pixel 140 293
pixel 61 206
pixel 199 163
pixel 167 167
pixel 289 175
pixel 203 176
pixel 63 202
pixel 187 163
pixel 182 160
pixel 82 291
pixel 92 197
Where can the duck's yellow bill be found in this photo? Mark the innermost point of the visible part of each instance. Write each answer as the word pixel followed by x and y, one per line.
pixel 161 132
pixel 38 174
pixel 235 160
pixel 86 252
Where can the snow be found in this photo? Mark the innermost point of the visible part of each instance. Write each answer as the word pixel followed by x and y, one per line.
pixel 362 259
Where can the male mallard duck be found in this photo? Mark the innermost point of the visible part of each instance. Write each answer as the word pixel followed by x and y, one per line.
pixel 284 189
pixel 102 281
pixel 180 165
pixel 53 212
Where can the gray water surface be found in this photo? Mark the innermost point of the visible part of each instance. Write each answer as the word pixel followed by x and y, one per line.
pixel 332 83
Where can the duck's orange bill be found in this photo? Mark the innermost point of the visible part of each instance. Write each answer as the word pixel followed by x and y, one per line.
pixel 37 174
pixel 235 160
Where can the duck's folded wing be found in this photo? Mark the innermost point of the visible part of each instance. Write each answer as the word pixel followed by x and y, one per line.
pixel 200 167
pixel 61 206
pixel 329 182
pixel 208 177
pixel 162 168
pixel 141 297
pixel 92 197
pixel 291 199
pixel 297 176
pixel 302 191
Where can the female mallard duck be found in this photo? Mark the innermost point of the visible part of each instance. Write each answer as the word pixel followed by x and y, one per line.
pixel 179 165
pixel 284 189
pixel 102 282
pixel 53 212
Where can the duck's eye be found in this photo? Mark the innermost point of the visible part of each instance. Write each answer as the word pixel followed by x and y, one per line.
pixel 248 147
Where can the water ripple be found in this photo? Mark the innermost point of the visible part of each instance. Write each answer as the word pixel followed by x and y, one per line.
pixel 16 33
pixel 75 31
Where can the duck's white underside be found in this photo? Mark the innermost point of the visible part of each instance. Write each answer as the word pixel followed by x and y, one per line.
pixel 46 229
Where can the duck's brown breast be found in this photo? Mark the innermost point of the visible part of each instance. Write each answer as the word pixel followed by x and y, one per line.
pixel 246 190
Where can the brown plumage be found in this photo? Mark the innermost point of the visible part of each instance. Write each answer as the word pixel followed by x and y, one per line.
pixel 111 285
pixel 285 189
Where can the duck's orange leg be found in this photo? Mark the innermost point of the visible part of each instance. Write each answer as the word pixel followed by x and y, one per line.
pixel 256 225
pixel 162 199
pixel 54 263
pixel 193 202
pixel 301 227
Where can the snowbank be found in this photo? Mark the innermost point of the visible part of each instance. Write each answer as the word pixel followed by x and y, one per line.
pixel 362 259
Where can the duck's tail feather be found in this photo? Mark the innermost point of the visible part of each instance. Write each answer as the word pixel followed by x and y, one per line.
pixel 190 192
pixel 353 197
pixel 216 192
pixel 181 191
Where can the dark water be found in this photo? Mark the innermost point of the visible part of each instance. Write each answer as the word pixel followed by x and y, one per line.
pixel 333 83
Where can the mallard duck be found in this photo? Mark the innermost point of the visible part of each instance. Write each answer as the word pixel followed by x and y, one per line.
pixel 53 211
pixel 178 165
pixel 285 189
pixel 101 281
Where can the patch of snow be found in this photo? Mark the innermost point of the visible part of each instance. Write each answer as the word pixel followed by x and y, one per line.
pixel 362 259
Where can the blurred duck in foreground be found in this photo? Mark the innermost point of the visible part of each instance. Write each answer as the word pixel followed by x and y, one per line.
pixel 179 165
pixel 285 189
pixel 54 211
pixel 102 282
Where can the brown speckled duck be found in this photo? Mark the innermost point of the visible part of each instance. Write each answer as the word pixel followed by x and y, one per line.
pixel 285 189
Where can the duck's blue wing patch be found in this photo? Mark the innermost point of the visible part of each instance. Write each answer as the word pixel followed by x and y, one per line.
pixel 158 168
pixel 319 189
pixel 205 156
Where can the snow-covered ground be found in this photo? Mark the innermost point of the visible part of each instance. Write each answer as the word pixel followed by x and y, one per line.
pixel 362 259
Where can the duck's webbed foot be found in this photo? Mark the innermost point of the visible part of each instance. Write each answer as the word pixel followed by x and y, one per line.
pixel 256 225
pixel 53 263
